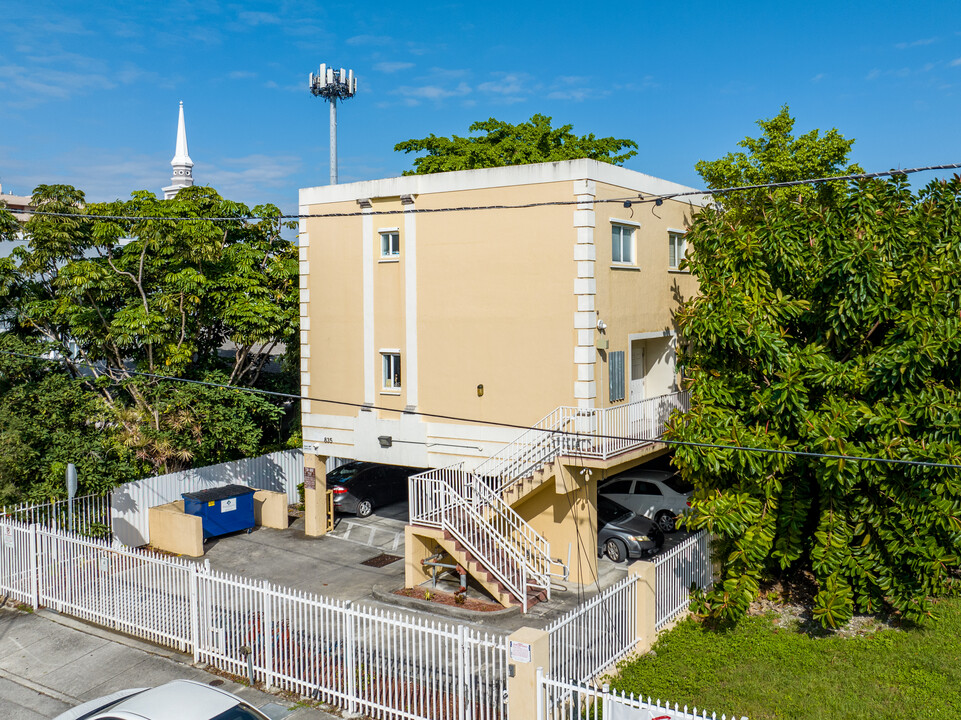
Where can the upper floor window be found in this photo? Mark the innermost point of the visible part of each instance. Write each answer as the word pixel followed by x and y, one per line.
pixel 622 244
pixel 391 364
pixel 676 248
pixel 389 243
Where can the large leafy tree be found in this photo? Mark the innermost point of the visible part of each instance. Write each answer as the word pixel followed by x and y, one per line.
pixel 502 143
pixel 778 156
pixel 187 287
pixel 828 325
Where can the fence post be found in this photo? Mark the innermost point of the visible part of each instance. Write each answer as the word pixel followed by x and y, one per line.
pixel 34 568
pixel 645 590
pixel 268 636
pixel 461 670
pixel 528 650
pixel 350 659
pixel 539 688
pixel 193 605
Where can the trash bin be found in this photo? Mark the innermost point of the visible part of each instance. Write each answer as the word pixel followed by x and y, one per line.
pixel 222 510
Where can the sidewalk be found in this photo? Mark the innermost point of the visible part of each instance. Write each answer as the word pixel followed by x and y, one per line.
pixel 50 663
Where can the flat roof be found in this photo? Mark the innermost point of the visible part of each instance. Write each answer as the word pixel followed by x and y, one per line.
pixel 583 169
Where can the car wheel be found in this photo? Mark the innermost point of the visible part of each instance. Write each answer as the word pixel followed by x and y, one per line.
pixel 616 550
pixel 666 521
pixel 365 508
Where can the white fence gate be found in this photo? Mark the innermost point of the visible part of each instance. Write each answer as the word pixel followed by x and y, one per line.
pixel 596 634
pixel 558 700
pixel 279 471
pixel 88 514
pixel 369 660
pixel 677 570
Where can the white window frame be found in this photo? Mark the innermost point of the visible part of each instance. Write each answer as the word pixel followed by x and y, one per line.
pixel 391 370
pixel 673 233
pixel 625 225
pixel 389 236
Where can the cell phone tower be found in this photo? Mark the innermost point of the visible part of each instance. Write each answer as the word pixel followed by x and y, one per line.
pixel 333 85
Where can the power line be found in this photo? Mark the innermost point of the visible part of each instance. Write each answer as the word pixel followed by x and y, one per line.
pixel 653 198
pixel 515 426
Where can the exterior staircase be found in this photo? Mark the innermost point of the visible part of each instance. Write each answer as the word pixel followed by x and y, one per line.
pixel 474 510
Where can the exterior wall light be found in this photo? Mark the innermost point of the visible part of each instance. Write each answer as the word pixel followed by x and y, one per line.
pixel 385 441
pixel 480 391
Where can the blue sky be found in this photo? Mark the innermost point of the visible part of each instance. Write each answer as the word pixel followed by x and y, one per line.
pixel 90 90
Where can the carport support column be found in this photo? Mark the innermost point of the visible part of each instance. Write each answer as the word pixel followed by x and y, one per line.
pixel 315 495
pixel 646 611
pixel 529 649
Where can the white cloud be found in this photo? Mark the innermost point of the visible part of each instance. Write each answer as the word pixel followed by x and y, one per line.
pixel 916 43
pixel 369 40
pixel 242 75
pixel 254 19
pixel 955 62
pixel 818 78
pixel 430 92
pixel 392 67
pixel 873 75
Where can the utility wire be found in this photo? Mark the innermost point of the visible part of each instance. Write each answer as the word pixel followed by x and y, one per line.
pixel 471 208
pixel 515 426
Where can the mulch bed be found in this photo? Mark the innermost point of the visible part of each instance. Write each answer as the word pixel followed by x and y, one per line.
pixel 445 598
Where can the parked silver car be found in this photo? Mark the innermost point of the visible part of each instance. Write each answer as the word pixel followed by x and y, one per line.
pixel 177 700
pixel 658 494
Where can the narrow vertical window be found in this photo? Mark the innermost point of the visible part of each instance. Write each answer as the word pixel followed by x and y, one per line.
pixel 676 249
pixel 622 244
pixel 391 364
pixel 615 371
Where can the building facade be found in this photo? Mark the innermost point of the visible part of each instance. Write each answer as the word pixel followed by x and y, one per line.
pixel 492 295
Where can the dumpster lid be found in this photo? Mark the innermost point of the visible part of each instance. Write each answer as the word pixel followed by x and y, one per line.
pixel 217 493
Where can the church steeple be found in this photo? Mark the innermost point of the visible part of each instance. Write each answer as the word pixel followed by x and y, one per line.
pixel 181 163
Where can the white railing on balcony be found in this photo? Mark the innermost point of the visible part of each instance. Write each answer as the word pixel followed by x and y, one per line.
pixel 582 432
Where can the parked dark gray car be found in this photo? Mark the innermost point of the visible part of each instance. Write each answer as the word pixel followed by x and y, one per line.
pixel 360 487
pixel 622 534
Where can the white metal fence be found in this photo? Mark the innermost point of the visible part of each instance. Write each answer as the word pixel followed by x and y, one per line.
pixel 381 663
pixel 87 514
pixel 595 634
pixel 279 471
pixel 558 700
pixel 677 570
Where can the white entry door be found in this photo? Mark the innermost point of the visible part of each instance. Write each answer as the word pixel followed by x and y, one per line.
pixel 635 419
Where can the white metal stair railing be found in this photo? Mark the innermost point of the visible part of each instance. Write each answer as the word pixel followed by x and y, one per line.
pixel 499 539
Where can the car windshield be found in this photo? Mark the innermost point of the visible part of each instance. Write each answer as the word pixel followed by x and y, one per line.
pixel 678 485
pixel 609 511
pixel 243 711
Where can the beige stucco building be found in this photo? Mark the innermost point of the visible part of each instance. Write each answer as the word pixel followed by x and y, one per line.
pixel 446 310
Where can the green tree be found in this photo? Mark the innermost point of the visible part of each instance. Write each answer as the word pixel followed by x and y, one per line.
pixel 828 327
pixel 778 156
pixel 164 293
pixel 534 141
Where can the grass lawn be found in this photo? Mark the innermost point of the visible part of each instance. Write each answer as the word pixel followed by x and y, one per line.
pixel 762 671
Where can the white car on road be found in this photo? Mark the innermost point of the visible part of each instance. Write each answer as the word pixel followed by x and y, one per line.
pixel 177 700
pixel 658 494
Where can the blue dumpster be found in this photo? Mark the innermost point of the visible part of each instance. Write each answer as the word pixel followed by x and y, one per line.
pixel 222 510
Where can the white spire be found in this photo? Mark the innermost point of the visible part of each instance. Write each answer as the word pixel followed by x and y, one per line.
pixel 180 155
pixel 182 164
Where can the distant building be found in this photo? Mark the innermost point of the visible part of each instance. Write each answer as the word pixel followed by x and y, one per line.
pixel 182 164
pixel 15 204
